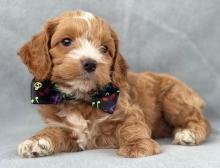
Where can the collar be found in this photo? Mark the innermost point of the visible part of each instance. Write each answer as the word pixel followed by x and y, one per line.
pixel 47 92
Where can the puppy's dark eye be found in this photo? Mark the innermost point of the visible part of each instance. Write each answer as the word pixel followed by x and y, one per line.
pixel 104 49
pixel 66 42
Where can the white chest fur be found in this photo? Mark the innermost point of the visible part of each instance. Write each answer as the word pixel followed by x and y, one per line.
pixel 80 129
pixel 79 126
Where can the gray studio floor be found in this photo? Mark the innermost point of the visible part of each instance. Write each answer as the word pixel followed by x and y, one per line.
pixel 206 155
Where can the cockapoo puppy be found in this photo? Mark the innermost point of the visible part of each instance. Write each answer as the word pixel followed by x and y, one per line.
pixel 79 53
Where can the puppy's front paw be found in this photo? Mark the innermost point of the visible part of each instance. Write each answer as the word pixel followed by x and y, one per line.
pixel 184 137
pixel 35 148
pixel 140 148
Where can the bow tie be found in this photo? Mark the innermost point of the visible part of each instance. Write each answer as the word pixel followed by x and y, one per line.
pixel 47 92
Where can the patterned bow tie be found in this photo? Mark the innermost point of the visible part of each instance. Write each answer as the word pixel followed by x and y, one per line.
pixel 46 92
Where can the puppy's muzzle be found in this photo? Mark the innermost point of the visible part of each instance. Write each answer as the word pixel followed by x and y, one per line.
pixel 89 65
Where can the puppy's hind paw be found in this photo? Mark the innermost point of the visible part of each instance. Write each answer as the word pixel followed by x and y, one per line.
pixel 184 137
pixel 35 148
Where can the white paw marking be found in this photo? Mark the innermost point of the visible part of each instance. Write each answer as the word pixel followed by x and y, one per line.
pixel 184 137
pixel 35 148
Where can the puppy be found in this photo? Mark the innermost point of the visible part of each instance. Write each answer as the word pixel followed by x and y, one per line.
pixel 79 52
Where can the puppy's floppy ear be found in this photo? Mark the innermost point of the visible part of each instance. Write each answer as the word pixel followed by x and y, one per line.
pixel 35 53
pixel 120 66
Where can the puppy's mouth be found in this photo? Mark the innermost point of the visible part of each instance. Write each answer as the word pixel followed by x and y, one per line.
pixel 86 76
pixel 84 83
pixel 80 85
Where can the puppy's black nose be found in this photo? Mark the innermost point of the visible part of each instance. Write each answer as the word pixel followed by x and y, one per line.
pixel 90 65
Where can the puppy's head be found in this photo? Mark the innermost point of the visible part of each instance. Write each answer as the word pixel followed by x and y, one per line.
pixel 76 50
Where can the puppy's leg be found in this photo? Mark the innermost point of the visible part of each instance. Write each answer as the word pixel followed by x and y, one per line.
pixel 47 142
pixel 183 110
pixel 134 138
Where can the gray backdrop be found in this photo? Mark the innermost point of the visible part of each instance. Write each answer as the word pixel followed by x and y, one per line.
pixel 172 36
